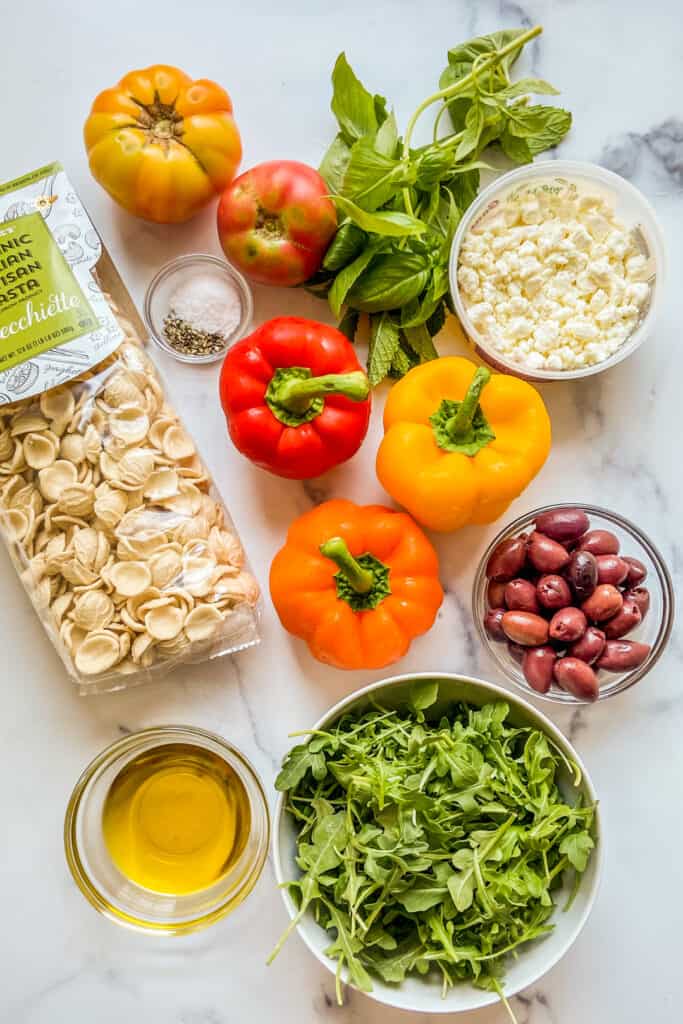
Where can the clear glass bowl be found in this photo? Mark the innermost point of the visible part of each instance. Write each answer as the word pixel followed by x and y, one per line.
pixel 161 288
pixel 120 899
pixel 631 207
pixel 654 629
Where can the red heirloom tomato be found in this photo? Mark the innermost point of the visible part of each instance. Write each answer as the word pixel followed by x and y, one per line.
pixel 276 221
pixel 295 397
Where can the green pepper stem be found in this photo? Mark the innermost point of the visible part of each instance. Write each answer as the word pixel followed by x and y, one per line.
pixel 297 393
pixel 357 577
pixel 459 424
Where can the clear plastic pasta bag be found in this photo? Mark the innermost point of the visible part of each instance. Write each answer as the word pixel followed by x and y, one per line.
pixel 109 514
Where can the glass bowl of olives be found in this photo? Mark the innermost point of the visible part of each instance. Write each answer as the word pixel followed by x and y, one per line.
pixel 573 602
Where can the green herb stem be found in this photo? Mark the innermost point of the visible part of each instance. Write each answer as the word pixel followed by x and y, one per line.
pixel 464 83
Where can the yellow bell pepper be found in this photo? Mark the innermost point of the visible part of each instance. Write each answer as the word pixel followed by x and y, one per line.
pixel 460 443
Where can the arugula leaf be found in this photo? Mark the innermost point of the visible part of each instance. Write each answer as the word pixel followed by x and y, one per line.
pixel 384 341
pixel 352 104
pixel 577 847
pixel 423 694
pixel 390 223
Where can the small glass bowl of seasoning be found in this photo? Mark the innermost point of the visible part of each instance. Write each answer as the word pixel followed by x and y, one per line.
pixel 197 306
pixel 623 650
pixel 167 830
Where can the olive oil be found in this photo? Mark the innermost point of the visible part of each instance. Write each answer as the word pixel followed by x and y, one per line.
pixel 176 819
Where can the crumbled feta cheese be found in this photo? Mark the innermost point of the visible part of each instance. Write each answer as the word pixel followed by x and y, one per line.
pixel 554 280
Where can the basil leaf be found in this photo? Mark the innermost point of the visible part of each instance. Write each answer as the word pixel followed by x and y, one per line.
pixel 390 282
pixel 371 179
pixel 436 320
pixel 346 278
pixel 386 138
pixel 474 126
pixel 344 247
pixel 391 223
pixel 352 104
pixel 334 163
pixel 384 341
pixel 348 324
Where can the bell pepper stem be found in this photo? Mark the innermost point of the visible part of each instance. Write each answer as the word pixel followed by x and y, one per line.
pixel 360 579
pixel 459 424
pixel 296 394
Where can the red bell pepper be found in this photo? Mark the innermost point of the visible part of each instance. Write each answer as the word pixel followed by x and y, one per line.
pixel 295 397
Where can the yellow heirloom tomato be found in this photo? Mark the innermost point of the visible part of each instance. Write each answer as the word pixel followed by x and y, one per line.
pixel 161 144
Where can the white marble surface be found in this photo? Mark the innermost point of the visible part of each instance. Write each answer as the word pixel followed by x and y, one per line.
pixel 619 67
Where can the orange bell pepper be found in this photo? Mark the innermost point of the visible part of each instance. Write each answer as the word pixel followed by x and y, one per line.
pixel 161 144
pixel 357 583
pixel 460 443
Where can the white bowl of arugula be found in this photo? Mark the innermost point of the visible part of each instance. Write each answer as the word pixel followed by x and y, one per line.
pixel 436 841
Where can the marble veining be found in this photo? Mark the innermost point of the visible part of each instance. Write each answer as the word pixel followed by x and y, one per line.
pixel 615 443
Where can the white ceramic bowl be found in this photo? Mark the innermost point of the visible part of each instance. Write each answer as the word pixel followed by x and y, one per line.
pixel 631 207
pixel 423 994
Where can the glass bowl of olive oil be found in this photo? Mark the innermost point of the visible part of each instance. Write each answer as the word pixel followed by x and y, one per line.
pixel 167 830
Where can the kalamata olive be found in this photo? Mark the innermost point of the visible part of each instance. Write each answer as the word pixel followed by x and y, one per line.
pixel 553 592
pixel 636 571
pixel 623 622
pixel 611 569
pixel 495 594
pixel 520 595
pixel 563 524
pixel 545 554
pixel 492 625
pixel 506 559
pixel 599 542
pixel 589 647
pixel 604 602
pixel 525 628
pixel 641 596
pixel 576 677
pixel 582 573
pixel 517 651
pixel 537 665
pixel 568 625
pixel 620 655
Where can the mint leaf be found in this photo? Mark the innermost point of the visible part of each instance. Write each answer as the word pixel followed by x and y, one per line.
pixel 384 340
pixel 542 127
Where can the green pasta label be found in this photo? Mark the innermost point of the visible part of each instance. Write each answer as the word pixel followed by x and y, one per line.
pixel 41 303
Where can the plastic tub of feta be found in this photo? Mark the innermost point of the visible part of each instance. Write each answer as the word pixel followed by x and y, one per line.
pixel 557 269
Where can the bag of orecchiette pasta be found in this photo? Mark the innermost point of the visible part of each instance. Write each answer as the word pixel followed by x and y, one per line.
pixel 109 515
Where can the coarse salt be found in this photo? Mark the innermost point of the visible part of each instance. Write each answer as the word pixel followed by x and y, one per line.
pixel 208 302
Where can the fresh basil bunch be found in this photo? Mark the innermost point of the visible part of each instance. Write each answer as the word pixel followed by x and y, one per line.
pixel 399 207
